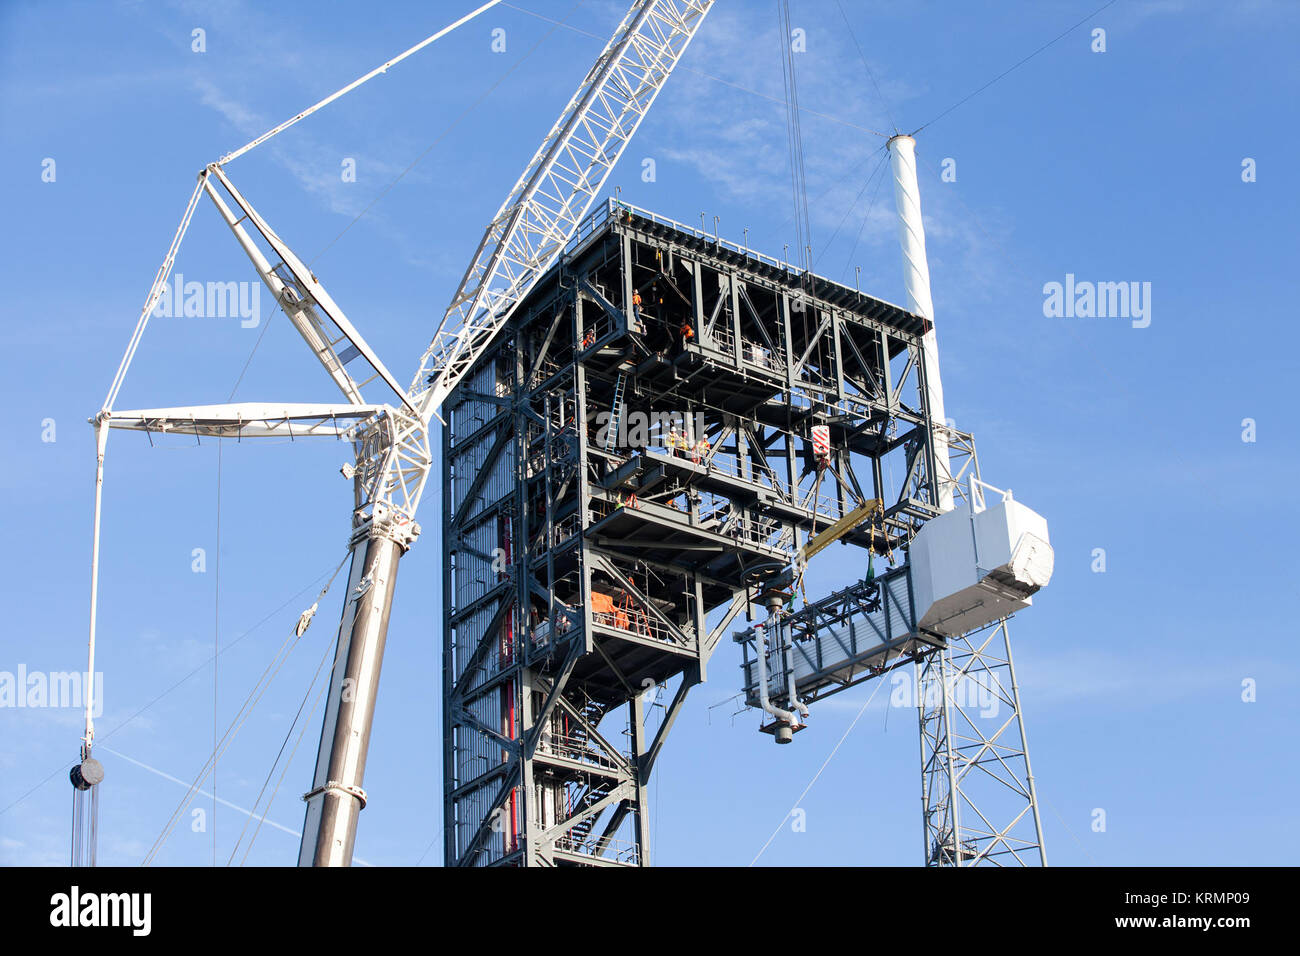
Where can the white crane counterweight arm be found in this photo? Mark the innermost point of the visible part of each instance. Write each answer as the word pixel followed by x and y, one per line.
pixel 300 294
pixel 549 201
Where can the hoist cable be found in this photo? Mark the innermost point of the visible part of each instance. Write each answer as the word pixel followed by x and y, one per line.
pixel 794 134
pixel 820 770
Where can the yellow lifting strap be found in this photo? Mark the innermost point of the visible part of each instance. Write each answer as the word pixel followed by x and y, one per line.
pixel 839 529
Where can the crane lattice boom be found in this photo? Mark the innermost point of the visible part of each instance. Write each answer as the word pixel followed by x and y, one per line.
pixel 557 188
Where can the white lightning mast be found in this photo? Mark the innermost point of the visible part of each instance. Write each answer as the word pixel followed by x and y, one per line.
pixel 916 279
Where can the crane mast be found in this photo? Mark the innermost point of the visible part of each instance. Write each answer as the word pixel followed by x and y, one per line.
pixel 394 458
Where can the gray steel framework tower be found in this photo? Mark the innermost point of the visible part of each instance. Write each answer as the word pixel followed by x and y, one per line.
pixel 632 450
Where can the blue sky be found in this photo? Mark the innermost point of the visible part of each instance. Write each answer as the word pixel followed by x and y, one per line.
pixel 1117 166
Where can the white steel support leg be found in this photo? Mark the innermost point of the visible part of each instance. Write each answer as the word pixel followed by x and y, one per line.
pixel 1024 742
pixel 938 773
pixel 336 797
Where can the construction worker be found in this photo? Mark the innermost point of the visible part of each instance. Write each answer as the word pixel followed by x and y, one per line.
pixel 622 618
pixel 636 304
pixel 680 337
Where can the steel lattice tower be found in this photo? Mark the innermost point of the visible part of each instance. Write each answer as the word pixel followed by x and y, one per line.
pixel 978 801
pixel 586 562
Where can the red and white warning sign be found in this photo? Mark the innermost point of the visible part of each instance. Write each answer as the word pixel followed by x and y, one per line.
pixel 821 440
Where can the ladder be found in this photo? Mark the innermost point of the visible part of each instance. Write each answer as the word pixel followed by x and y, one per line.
pixel 616 416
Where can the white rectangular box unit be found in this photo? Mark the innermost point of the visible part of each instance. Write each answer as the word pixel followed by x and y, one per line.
pixel 972 566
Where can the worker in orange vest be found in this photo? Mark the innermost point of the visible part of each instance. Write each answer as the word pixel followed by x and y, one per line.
pixel 688 333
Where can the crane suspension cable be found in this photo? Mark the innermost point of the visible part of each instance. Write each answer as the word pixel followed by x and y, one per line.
pixel 311 715
pixel 354 84
pixel 708 76
pixel 155 291
pixel 63 767
pixel 265 783
pixel 448 131
pixel 237 722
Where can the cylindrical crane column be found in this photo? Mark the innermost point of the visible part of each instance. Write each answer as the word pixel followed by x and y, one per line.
pixel 916 278
pixel 336 798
